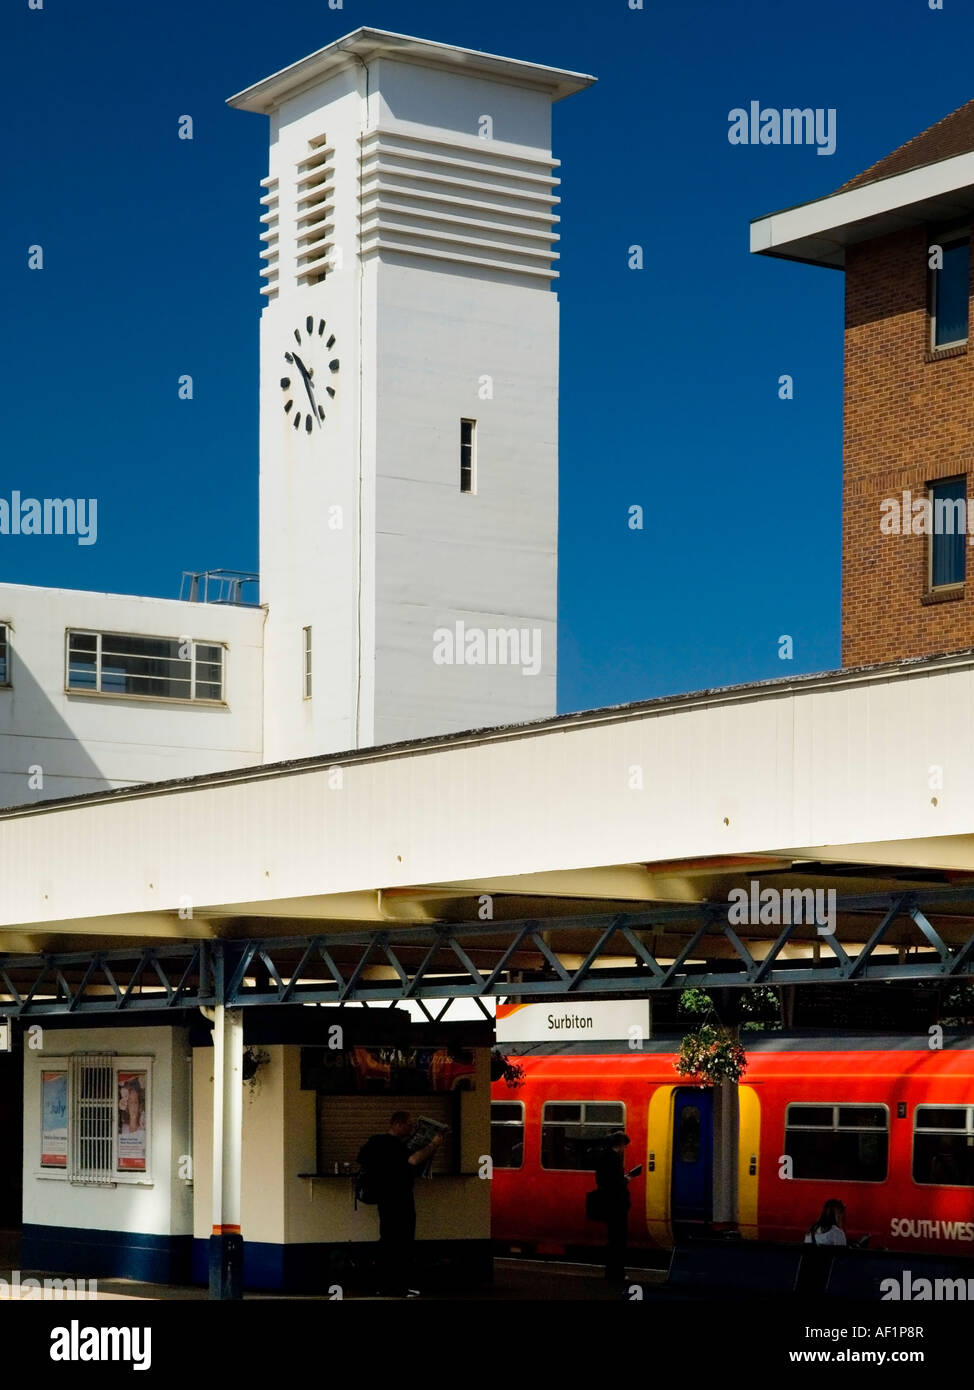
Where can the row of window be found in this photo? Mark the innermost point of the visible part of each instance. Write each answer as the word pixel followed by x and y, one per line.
pixel 834 1143
pixel 155 668
pixel 118 663
pixel 949 308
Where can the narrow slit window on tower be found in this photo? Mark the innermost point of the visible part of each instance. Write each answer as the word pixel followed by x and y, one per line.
pixel 948 506
pixel 468 461
pixel 307 663
pixel 950 291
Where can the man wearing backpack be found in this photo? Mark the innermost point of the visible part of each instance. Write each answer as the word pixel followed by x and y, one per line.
pixel 388 1170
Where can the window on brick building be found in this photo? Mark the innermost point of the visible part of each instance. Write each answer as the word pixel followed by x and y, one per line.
pixel 948 540
pixel 950 292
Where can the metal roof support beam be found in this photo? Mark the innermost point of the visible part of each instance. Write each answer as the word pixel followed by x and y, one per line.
pixel 595 952
pixel 517 960
pixel 857 966
pixel 928 931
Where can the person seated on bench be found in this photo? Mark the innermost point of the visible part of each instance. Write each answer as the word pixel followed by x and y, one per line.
pixel 829 1229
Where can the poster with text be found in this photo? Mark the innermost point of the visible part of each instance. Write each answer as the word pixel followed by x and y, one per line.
pixel 54 1119
pixel 131 1121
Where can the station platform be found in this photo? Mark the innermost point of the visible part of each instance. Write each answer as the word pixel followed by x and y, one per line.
pixel 514 1281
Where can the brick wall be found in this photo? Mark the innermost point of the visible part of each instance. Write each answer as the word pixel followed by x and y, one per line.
pixel 909 420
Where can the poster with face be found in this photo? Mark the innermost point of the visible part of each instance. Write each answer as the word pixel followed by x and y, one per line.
pixel 131 1121
pixel 54 1119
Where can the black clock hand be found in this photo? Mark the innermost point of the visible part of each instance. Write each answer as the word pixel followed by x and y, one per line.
pixel 307 385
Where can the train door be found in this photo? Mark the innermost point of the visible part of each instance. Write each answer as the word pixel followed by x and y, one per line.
pixel 692 1193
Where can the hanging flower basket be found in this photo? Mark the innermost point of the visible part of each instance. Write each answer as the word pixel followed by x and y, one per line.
pixel 501 1066
pixel 253 1059
pixel 711 1054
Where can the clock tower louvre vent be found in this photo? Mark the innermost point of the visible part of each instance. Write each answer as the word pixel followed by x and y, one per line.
pixel 315 212
pixel 270 253
pixel 459 200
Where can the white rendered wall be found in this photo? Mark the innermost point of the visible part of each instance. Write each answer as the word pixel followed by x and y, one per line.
pixel 365 536
pixel 164 1205
pixel 279 1143
pixel 87 742
pixel 308 556
pixel 486 560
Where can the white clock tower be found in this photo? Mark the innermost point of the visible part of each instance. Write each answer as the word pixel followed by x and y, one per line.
pixel 408 393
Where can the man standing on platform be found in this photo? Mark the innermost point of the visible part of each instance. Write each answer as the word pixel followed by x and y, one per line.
pixel 390 1168
pixel 612 1181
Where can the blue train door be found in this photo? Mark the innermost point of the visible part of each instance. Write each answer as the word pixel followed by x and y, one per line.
pixel 692 1194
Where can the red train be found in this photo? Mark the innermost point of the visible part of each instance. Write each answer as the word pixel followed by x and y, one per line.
pixel 884 1124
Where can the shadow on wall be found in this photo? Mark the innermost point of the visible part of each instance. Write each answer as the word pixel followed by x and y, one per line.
pixel 41 756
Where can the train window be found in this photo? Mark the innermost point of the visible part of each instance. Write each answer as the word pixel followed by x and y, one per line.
pixel 557 1110
pixel 689 1138
pixel 862 1117
pixel 942 1117
pixel 571 1132
pixel 603 1115
pixel 810 1115
pixel 943 1145
pixel 507 1133
pixel 838 1143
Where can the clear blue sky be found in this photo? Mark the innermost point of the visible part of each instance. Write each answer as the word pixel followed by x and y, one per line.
pixel 669 374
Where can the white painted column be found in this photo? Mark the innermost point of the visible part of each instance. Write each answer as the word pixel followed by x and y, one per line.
pixel 226 1239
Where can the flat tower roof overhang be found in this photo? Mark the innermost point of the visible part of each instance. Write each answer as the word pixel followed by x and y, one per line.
pixel 818 232
pixel 365 44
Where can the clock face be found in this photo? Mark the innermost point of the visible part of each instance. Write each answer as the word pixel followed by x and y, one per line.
pixel 311 368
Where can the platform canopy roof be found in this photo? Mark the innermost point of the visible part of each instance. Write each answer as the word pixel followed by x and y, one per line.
pixel 858 781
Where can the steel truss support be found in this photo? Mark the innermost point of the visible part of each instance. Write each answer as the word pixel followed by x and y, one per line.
pixel 887 937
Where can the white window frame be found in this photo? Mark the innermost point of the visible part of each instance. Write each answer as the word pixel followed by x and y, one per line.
pixel 99 694
pixel 835 1128
pixel 958 583
pixel 471 491
pixel 513 1124
pixel 967 1133
pixel 306 669
pixel 944 240
pixel 104 1178
pixel 583 1106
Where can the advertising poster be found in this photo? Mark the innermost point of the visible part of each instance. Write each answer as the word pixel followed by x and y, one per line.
pixel 131 1122
pixel 54 1119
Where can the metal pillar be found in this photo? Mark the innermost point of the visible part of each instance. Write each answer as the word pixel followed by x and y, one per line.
pixel 226 1240
pixel 726 1131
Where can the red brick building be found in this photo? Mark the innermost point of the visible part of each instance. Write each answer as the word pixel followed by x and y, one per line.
pixel 901 231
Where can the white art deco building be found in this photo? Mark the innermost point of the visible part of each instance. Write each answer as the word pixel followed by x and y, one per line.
pixel 408 452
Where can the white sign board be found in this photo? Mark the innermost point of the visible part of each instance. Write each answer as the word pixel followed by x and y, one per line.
pixel 625 1020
